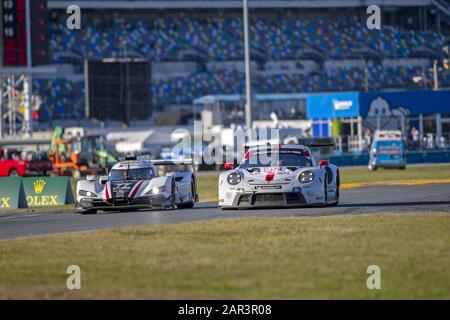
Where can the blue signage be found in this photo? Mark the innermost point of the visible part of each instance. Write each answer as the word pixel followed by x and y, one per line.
pixel 333 105
pixel 408 103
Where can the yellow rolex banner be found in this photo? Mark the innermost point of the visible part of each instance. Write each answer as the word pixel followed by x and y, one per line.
pixel 47 191
pixel 12 195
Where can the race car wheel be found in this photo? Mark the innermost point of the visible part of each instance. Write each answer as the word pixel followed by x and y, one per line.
pixel 325 188
pixel 191 203
pixel 338 184
pixel 13 173
pixel 173 195
pixel 334 204
pixel 372 167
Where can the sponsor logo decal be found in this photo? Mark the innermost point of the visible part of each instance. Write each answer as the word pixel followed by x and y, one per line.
pixel 42 200
pixel 122 186
pixel 39 186
pixel 342 105
pixel 4 202
pixel 270 176
pixel 36 200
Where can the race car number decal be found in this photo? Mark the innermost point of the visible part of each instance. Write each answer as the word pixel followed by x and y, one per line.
pixel 122 186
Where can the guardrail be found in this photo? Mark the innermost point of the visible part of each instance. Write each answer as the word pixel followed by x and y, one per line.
pixel 424 156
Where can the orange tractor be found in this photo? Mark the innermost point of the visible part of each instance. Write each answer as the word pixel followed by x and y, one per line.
pixel 78 154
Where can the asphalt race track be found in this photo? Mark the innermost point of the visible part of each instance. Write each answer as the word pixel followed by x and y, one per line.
pixel 366 200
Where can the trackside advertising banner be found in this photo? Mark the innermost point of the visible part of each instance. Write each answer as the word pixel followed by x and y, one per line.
pixel 12 195
pixel 332 105
pixel 47 191
pixel 411 103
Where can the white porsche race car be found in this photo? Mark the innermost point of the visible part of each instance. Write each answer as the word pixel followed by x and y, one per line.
pixel 136 184
pixel 279 176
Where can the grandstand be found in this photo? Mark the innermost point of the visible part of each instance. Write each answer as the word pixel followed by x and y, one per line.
pixel 297 47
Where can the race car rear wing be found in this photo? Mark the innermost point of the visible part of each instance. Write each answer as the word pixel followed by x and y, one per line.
pixel 161 162
pixel 169 162
pixel 310 145
pixel 157 162
pixel 174 162
pixel 320 145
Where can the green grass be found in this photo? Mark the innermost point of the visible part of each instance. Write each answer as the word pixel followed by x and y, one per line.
pixel 359 175
pixel 207 186
pixel 298 258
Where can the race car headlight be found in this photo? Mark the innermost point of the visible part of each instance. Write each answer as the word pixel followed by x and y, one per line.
pixel 234 178
pixel 157 190
pixel 85 193
pixel 306 176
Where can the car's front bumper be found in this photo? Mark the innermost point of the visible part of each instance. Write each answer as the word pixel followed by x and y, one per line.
pixel 388 164
pixel 266 200
pixel 147 202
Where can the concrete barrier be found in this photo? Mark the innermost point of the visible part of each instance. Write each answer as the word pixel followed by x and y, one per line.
pixel 426 156
pixel 47 191
pixel 12 195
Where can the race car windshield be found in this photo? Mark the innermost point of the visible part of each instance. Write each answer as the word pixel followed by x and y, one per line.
pixel 130 174
pixel 279 159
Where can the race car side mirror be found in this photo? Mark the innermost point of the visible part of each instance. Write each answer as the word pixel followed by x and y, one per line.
pixel 228 166
pixel 103 179
pixel 324 163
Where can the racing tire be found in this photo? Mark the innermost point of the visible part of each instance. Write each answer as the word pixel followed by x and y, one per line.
pixel 338 185
pixel 338 189
pixel 13 173
pixel 372 167
pixel 325 187
pixel 190 204
pixel 173 196
pixel 334 204
pixel 187 205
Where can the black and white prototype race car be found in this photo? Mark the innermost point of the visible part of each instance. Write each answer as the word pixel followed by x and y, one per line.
pixel 136 184
pixel 279 176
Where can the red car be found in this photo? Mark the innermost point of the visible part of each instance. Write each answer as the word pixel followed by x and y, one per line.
pixel 11 164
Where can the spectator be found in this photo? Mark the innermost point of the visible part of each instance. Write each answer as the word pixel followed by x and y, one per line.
pixel 415 136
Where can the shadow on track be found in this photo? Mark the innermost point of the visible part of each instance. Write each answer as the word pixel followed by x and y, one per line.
pixel 131 211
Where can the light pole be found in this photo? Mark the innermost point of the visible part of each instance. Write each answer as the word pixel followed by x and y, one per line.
pixel 248 79
pixel 425 80
pixel 435 75
pixel 27 81
pixel 366 76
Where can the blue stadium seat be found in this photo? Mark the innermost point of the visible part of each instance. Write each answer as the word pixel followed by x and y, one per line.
pixel 165 38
